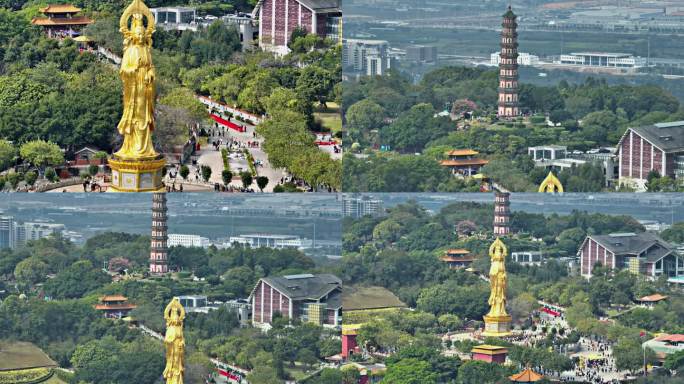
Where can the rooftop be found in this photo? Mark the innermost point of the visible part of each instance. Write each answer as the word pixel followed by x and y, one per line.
pixel 651 244
pixel 652 298
pixel 60 8
pixel 456 163
pixel 666 136
pixel 676 338
pixel 462 152
pixel 526 376
pixel 44 21
pixel 305 286
pixel 364 298
pixel 458 251
pixel 489 349
pixel 607 54
pixel 113 298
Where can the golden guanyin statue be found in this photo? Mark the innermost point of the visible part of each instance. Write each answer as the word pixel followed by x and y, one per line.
pixel 137 74
pixel 174 314
pixel 497 321
pixel 551 184
pixel 137 167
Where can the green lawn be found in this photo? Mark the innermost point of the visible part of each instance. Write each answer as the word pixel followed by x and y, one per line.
pixel 330 117
pixel 21 355
pixel 54 380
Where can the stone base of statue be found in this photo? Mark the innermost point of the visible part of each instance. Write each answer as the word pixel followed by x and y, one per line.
pixel 144 175
pixel 497 326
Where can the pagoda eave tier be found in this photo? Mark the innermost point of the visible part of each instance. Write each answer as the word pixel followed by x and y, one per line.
pixel 508 66
pixel 508 104
pixel 510 45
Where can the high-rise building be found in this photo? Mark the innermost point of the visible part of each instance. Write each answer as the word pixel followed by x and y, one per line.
pixel 502 213
pixel 367 57
pixel 421 53
pixel 508 67
pixel 158 247
pixel 7 236
pixel 360 207
pixel 34 231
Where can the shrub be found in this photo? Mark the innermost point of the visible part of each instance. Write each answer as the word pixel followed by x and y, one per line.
pixel 184 172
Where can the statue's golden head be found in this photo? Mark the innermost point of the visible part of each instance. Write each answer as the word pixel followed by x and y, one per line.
pixel 137 25
pixel 498 250
pixel 174 314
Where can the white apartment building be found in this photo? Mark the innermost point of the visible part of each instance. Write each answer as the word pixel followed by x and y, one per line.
pixel 523 59
pixel 267 241
pixel 188 241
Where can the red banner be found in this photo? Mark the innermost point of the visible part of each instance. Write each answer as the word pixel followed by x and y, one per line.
pixel 226 123
pixel 550 311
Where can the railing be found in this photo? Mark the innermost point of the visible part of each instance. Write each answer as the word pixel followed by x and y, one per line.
pixel 109 55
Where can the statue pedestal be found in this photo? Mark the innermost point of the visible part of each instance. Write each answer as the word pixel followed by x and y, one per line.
pixel 143 175
pixel 497 326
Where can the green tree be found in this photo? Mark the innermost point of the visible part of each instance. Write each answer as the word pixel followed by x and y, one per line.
pixel 30 178
pixel 362 117
pixel 42 153
pixel 93 170
pixel 31 271
pixel 246 178
pixel 8 154
pixel 410 371
pixel 226 176
pixel 184 171
pixel 14 178
pixel 51 174
pixel 262 182
pixel 206 172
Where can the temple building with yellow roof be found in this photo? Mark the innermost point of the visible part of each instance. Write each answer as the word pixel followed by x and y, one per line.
pixel 463 162
pixel 61 20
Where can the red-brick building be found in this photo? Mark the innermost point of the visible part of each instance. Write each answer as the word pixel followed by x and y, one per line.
pixel 279 18
pixel 308 298
pixel 641 253
pixel 658 147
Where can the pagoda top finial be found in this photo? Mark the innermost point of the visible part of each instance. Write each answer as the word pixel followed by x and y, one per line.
pixel 509 12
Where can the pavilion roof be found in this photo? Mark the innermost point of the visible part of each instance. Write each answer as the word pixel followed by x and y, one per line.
pixel 653 298
pixel 487 349
pixel 60 8
pixel 451 163
pixel 457 251
pixel 45 21
pixel 457 258
pixel 526 376
pixel 462 152
pixel 113 298
pixel 676 338
pixel 113 307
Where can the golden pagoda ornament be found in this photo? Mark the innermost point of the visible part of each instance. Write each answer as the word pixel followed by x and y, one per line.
pixel 551 184
pixel 497 321
pixel 174 342
pixel 136 166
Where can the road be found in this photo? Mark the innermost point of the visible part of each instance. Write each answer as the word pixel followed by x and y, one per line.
pixel 212 157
